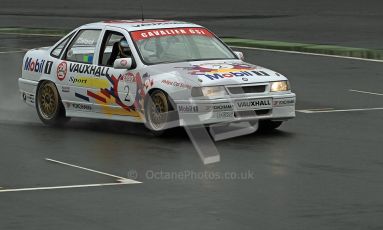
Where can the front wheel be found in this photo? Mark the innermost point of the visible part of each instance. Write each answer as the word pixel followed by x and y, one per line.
pixel 157 112
pixel 49 106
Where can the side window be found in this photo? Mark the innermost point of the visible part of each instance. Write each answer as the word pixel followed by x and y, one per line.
pixel 114 46
pixel 109 50
pixel 83 47
pixel 56 52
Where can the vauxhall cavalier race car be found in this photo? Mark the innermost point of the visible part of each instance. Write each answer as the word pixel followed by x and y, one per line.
pixel 160 73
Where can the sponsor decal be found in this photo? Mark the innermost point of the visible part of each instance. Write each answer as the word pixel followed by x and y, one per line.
pixel 225 114
pixel 223 107
pixel 37 65
pixel 236 74
pixel 78 81
pixel 87 58
pixel 88 69
pixel 148 82
pixel 219 107
pixel 65 89
pixel 187 108
pixel 257 103
pixel 123 62
pixel 89 82
pixel 128 77
pixel 145 34
pixel 140 23
pixel 283 102
pixel 29 98
pixel 176 84
pixel 146 22
pixel 80 106
pixel 84 41
pixel 225 70
pixel 159 23
pixel 62 71
pixel 218 68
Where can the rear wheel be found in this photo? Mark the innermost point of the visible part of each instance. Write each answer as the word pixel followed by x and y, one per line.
pixel 49 106
pixel 268 125
pixel 157 112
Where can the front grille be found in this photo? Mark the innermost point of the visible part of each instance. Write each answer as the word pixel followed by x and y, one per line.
pixel 247 89
pixel 252 113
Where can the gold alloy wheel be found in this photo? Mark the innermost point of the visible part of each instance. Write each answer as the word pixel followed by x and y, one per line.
pixel 158 114
pixel 47 100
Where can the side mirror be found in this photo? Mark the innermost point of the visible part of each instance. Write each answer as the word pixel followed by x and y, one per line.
pixel 240 55
pixel 123 63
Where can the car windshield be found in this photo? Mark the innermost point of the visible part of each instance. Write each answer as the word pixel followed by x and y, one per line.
pixel 179 45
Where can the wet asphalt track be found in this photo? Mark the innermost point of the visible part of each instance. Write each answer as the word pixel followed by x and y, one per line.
pixel 319 171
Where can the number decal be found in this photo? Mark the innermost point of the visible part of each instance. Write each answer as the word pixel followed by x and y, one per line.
pixel 126 89
pixel 127 97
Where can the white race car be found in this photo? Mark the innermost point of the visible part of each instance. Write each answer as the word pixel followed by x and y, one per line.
pixel 160 73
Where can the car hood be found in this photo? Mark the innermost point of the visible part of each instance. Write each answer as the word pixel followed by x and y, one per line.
pixel 219 72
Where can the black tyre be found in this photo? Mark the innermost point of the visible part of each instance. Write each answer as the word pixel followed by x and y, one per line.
pixel 268 125
pixel 49 107
pixel 157 109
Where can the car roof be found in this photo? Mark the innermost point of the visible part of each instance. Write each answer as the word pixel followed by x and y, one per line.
pixel 138 24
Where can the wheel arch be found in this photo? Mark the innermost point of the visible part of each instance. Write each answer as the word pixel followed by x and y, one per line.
pixel 170 99
pixel 59 116
pixel 41 81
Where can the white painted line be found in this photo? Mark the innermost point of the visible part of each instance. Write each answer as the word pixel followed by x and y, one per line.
pixel 337 110
pixel 14 51
pixel 366 92
pixel 320 109
pixel 120 179
pixel 305 53
pixel 63 187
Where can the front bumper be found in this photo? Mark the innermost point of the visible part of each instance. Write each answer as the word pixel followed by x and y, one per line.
pixel 277 107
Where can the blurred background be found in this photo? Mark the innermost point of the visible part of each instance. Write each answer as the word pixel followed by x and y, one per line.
pixel 355 23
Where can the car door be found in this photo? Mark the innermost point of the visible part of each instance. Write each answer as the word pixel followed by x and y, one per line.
pixel 78 74
pixel 119 97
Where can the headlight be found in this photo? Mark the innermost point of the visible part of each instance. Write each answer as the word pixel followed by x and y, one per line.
pixel 211 91
pixel 279 86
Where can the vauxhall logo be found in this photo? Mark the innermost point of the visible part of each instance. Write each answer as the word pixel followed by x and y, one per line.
pixel 253 103
pixel 89 69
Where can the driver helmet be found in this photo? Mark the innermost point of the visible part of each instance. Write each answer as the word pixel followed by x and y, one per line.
pixel 123 46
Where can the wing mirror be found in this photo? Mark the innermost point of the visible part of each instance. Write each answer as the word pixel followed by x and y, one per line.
pixel 123 63
pixel 240 55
